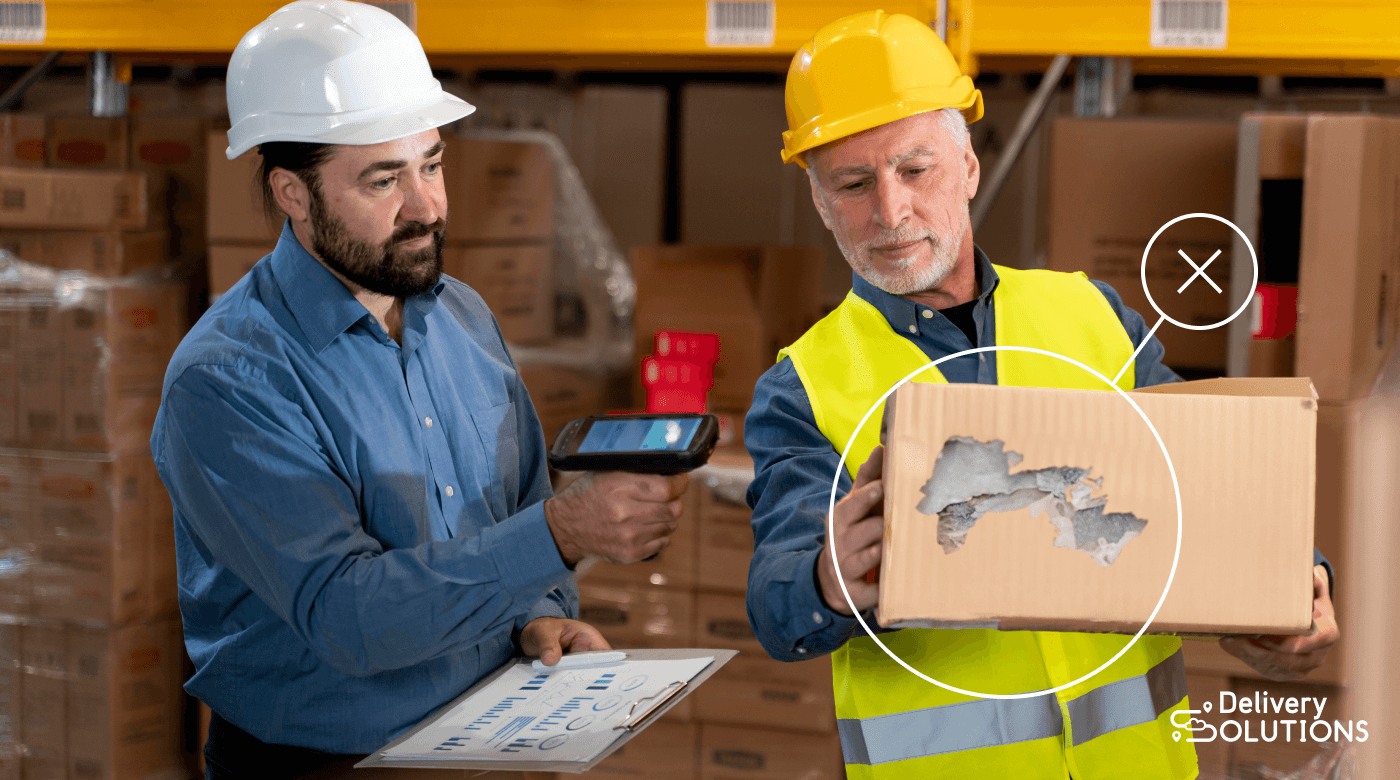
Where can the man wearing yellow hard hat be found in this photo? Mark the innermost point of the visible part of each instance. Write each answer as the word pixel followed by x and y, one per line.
pixel 877 111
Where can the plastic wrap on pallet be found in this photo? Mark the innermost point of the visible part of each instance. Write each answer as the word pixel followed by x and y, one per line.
pixel 595 292
pixel 80 700
pixel 82 357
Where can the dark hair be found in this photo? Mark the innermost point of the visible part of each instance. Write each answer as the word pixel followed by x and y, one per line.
pixel 302 159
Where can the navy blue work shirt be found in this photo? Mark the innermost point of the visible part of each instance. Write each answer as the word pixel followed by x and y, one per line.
pixel 794 462
pixel 359 524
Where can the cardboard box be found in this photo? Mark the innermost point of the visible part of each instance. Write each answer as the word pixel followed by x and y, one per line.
pixel 1350 264
pixel 96 540
pixel 9 373
pixel 639 615
pixel 726 531
pixel 758 299
pixel 44 661
pixel 88 142
pixel 116 344
pixel 499 190
pixel 664 751
pixel 1271 357
pixel 124 717
pixel 721 620
pixel 22 140
pixel 619 146
pixel 230 262
pixel 1113 183
pixel 1244 455
pixel 77 200
pixel 516 281
pixel 40 376
pixel 560 393
pixel 729 140
pixel 758 691
pixel 11 702
pixel 733 753
pixel 673 567
pixel 171 151
pixel 234 212
pixel 106 253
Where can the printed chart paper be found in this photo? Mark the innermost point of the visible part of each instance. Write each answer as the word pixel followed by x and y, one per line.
pixel 557 716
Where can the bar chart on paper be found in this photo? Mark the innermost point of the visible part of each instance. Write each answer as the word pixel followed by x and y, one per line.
pixel 570 715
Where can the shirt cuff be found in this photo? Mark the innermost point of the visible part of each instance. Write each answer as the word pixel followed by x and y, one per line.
pixel 526 557
pixel 820 629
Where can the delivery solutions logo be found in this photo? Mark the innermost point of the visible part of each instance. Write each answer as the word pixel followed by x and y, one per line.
pixel 1261 717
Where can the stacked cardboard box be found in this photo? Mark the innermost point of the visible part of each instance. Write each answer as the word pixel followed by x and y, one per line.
pixel 88 322
pixel 756 718
pixel 1113 184
pixel 756 299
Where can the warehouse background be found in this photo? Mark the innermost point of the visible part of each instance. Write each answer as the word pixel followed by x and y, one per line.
pixel 664 151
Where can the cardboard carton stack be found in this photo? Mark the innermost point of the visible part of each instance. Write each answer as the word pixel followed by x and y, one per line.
pixel 1113 184
pixel 756 299
pixel 756 718
pixel 89 642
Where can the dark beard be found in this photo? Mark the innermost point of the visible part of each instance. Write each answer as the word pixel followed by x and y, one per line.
pixel 385 269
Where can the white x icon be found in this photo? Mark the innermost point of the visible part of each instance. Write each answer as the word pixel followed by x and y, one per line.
pixel 1200 271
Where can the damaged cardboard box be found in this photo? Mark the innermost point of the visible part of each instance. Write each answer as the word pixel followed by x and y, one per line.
pixel 1041 508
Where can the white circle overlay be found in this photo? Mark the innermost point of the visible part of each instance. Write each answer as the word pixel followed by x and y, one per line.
pixel 1253 259
pixel 836 563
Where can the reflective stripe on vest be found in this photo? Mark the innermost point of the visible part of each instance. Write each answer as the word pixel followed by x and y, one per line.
pixel 845 362
pixel 987 722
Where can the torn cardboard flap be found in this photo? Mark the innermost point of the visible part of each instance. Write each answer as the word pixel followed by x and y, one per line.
pixel 1041 508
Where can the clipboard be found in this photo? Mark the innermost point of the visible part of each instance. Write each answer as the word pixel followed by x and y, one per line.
pixel 632 722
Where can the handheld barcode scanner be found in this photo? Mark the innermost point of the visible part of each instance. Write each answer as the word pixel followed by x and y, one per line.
pixel 636 443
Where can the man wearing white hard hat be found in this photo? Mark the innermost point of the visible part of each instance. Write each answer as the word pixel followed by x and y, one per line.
pixel 363 519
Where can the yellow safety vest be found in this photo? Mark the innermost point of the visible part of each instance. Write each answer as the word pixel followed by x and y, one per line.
pixel 894 725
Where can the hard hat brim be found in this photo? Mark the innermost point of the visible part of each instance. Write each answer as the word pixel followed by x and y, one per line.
pixel 256 130
pixel 798 144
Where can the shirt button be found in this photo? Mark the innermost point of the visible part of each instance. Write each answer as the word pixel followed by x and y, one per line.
pixel 928 314
pixel 801 651
pixel 449 491
pixel 817 617
pixel 913 328
pixel 428 421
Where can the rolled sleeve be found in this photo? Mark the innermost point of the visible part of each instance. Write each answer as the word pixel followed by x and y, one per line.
pixel 793 469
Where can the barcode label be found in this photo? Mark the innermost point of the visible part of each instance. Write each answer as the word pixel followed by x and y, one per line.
pixel 1189 24
pixel 406 12
pixel 21 22
pixel 740 22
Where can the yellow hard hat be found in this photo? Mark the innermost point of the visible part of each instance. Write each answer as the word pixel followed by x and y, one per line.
pixel 866 70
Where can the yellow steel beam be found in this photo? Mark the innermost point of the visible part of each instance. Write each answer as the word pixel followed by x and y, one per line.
pixel 1319 37
pixel 1354 31
pixel 565 28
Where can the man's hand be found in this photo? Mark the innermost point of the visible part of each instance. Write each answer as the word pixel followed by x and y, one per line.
pixel 618 517
pixel 1291 657
pixel 859 528
pixel 549 638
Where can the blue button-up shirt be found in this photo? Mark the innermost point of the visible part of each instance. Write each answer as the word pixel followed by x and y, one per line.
pixel 794 462
pixel 359 523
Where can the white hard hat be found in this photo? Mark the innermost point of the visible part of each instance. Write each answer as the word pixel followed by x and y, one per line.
pixel 333 72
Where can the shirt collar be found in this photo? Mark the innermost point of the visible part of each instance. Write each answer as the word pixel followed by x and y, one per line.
pixel 903 313
pixel 321 304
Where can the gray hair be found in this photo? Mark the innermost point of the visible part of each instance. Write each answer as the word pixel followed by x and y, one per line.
pixel 950 119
